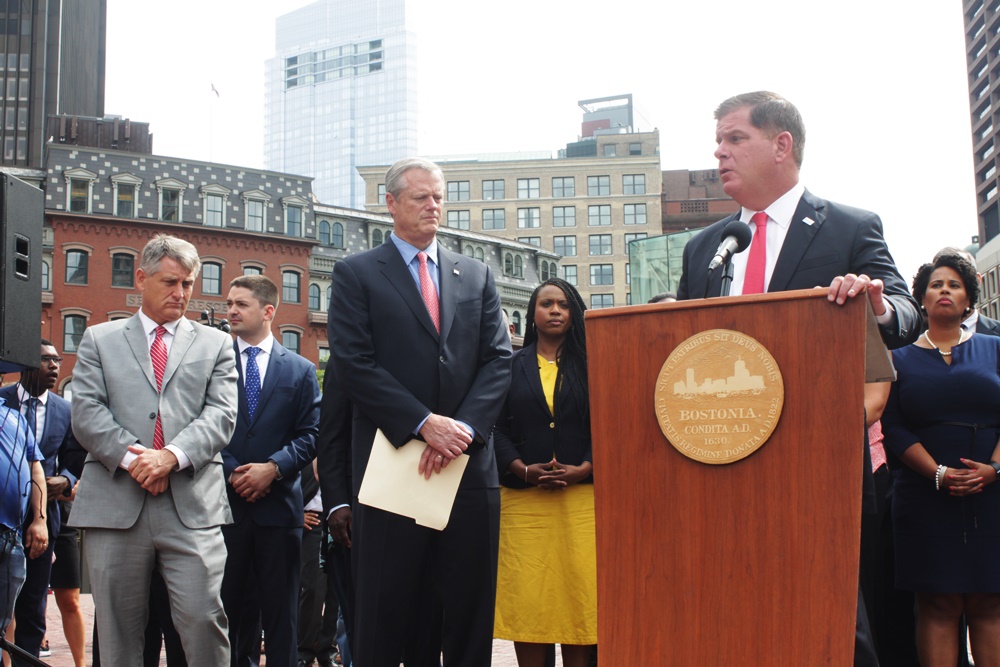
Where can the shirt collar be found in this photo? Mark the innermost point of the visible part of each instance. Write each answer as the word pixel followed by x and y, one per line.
pixel 264 346
pixel 410 251
pixel 970 322
pixel 149 326
pixel 23 396
pixel 781 209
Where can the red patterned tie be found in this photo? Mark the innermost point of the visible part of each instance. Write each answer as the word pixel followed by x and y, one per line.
pixel 428 292
pixel 159 355
pixel 753 282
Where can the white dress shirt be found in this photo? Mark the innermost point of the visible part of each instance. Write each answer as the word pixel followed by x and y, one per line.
pixel 23 397
pixel 779 219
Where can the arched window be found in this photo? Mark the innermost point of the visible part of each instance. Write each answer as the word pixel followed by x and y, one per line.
pixel 515 321
pixel 324 232
pixel 518 267
pixel 376 237
pixel 508 264
pixel 337 239
pixel 46 284
pixel 479 254
pixel 329 295
pixel 314 297
pixel 468 251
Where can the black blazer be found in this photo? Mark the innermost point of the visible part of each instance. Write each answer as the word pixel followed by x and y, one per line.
pixel 838 240
pixel 395 367
pixel 526 428
pixel 987 325
pixel 333 445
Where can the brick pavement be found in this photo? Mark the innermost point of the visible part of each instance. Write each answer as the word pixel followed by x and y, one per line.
pixel 503 651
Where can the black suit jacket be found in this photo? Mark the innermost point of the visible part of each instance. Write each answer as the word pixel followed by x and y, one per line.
pixel 333 445
pixel 838 240
pixel 527 430
pixel 987 325
pixel 283 429
pixel 396 368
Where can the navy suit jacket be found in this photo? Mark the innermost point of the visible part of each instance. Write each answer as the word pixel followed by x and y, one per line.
pixel 987 325
pixel 63 454
pixel 333 445
pixel 283 430
pixel 838 240
pixel 394 366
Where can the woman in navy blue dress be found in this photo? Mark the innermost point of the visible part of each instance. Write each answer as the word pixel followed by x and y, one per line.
pixel 942 423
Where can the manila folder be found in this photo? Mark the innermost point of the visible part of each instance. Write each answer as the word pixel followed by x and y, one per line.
pixel 392 483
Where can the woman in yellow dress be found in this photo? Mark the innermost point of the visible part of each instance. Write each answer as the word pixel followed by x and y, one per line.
pixel 547 575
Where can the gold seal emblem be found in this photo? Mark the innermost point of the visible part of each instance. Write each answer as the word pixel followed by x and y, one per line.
pixel 719 396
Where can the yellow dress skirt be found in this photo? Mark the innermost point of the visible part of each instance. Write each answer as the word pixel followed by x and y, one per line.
pixel 547 573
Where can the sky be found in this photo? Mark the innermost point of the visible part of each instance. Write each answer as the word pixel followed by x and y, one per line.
pixel 881 85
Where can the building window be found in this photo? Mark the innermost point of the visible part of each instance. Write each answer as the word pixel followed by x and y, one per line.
pixel 479 255
pixel 211 278
pixel 255 215
pixel 380 197
pixel 599 215
pixel 458 219
pixel 376 237
pixel 324 358
pixel 531 240
pixel 564 216
pixel 337 238
pixel 293 221
pixel 76 267
pixel 494 218
pixel 635 214
pixel 527 188
pixel 635 149
pixel 493 189
pixel 563 186
pixel 214 210
pixel 633 237
pixel 600 244
pixel 628 274
pixel 125 200
pixel 548 272
pixel 598 186
pixel 314 297
pixel 79 195
pixel 609 150
pixel 122 270
pixel 515 321
pixel 564 246
pixel 508 264
pixel 468 251
pixel 290 340
pixel 602 301
pixel 569 274
pixel 290 281
pixel 324 232
pixel 518 267
pixel 458 191
pixel 46 281
pixel 634 184
pixel 170 205
pixel 73 326
pixel 252 271
pixel 529 218
pixel 602 274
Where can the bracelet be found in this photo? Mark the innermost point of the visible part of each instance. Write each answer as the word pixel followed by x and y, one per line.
pixel 526 474
pixel 938 476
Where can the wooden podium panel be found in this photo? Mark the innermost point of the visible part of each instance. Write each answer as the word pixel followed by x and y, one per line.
pixel 749 563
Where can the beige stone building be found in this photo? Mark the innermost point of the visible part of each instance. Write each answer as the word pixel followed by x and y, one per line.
pixel 586 204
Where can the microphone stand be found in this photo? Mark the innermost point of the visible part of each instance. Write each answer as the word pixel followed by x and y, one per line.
pixel 727 278
pixel 22 656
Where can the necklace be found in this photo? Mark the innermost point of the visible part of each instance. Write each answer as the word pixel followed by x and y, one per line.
pixel 961 339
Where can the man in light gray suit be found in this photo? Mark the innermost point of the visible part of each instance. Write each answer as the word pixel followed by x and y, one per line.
pixel 154 402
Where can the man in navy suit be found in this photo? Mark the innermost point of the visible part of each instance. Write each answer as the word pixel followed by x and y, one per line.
pixel 63 464
pixel 419 348
pixel 275 438
pixel 801 241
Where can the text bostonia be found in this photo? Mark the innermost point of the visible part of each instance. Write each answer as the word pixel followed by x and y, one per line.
pixel 719 413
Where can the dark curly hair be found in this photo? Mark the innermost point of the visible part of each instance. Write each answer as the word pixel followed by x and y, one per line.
pixel 966 272
pixel 572 354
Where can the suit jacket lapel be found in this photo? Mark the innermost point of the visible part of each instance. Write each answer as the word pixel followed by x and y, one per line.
pixel 241 388
pixel 183 337
pixel 275 366
pixel 802 229
pixel 398 274
pixel 529 366
pixel 450 280
pixel 137 341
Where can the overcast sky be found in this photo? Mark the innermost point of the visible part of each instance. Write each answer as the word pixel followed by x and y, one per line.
pixel 881 85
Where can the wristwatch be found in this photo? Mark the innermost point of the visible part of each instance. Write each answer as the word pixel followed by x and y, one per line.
pixel 996 468
pixel 277 470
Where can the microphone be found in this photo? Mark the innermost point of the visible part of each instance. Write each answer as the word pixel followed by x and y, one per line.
pixel 735 238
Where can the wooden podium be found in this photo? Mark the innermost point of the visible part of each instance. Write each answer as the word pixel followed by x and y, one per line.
pixel 749 563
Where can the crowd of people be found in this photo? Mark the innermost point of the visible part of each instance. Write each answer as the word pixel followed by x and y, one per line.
pixel 218 487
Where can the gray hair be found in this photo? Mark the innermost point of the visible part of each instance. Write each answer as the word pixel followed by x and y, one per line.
pixel 394 177
pixel 164 245
pixel 771 113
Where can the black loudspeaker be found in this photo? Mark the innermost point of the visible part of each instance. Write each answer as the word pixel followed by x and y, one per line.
pixel 21 217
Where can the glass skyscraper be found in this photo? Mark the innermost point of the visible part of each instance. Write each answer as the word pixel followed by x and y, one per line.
pixel 341 92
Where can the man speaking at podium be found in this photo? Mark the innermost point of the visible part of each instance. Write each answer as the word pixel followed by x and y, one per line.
pixel 799 241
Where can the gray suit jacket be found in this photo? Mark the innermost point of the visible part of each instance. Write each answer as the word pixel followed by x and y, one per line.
pixel 115 404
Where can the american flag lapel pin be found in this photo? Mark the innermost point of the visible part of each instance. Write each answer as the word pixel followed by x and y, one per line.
pixel 809 221
pixel 456 272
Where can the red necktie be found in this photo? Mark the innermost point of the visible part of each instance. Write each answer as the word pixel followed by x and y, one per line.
pixel 428 292
pixel 753 281
pixel 159 355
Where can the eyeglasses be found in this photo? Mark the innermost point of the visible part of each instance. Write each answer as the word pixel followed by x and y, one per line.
pixel 48 359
